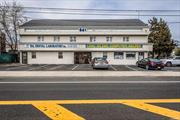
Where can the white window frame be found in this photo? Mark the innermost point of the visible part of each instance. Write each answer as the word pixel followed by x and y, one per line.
pixel 60 55
pixel 140 54
pixel 56 38
pixel 125 38
pixel 105 54
pixel 108 38
pixel 33 55
pixel 121 57
pixel 92 38
pixel 72 38
pixel 131 58
pixel 40 38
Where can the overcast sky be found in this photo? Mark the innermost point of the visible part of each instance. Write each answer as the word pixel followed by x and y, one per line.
pixel 106 4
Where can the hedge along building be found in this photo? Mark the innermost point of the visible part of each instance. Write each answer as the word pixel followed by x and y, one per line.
pixel 122 41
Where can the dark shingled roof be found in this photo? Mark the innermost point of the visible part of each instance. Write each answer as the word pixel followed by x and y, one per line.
pixel 85 22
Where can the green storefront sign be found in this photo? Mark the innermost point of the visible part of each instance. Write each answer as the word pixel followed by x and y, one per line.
pixel 65 45
pixel 114 46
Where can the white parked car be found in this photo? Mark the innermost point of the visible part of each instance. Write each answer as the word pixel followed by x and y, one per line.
pixel 173 61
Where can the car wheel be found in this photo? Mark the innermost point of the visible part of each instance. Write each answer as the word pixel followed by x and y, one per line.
pixel 137 64
pixel 147 67
pixel 169 64
pixel 159 68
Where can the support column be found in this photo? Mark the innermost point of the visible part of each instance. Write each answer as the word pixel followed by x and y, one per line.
pixel 20 57
pixel 145 54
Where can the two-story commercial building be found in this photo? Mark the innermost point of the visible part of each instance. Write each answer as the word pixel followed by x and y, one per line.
pixel 122 41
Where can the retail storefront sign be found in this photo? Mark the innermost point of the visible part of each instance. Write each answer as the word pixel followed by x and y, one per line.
pixel 49 45
pixel 114 46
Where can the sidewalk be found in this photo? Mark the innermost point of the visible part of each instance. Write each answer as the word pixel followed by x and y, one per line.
pixel 87 73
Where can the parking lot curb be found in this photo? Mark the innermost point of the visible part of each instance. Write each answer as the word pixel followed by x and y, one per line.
pixel 87 73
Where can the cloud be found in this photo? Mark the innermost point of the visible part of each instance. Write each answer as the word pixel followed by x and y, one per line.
pixel 105 4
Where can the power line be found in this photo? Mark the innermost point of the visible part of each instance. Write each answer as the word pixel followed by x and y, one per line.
pixel 109 14
pixel 106 10
pixel 173 22
pixel 100 9
pixel 170 22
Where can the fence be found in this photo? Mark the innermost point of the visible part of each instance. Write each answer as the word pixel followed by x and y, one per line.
pixel 8 58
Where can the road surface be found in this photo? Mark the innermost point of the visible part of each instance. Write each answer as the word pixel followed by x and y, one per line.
pixel 95 98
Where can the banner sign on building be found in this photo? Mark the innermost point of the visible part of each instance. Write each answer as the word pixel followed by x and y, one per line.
pixel 114 46
pixel 50 45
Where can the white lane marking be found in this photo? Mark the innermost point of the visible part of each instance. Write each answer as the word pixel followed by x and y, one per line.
pixel 75 67
pixel 15 67
pixel 56 67
pixel 113 68
pixel 11 65
pixel 41 66
pixel 93 82
pixel 131 68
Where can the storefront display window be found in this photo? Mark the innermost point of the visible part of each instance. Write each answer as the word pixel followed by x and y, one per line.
pixel 118 55
pixel 60 55
pixel 33 55
pixel 104 54
pixel 141 56
pixel 130 55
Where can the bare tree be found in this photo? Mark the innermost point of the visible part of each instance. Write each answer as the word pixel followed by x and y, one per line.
pixel 2 42
pixel 11 17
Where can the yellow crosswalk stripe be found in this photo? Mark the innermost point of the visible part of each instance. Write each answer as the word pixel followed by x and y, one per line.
pixel 155 109
pixel 103 101
pixel 57 112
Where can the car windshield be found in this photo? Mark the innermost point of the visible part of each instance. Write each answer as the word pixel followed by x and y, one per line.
pixel 170 57
pixel 154 60
pixel 100 59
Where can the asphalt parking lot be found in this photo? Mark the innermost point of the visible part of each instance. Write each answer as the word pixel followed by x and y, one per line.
pixel 73 67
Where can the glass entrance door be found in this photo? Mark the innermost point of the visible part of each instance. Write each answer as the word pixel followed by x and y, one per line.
pixel 24 57
pixel 82 57
pixel 141 56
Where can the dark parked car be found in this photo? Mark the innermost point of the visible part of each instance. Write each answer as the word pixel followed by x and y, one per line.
pixel 100 62
pixel 150 63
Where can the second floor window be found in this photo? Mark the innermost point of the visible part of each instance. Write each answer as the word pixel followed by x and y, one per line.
pixel 109 39
pixel 40 38
pixel 56 38
pixel 72 38
pixel 92 38
pixel 126 39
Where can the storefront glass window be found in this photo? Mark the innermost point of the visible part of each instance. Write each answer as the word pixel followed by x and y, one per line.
pixel 141 55
pixel 130 55
pixel 60 55
pixel 104 54
pixel 118 55
pixel 33 55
